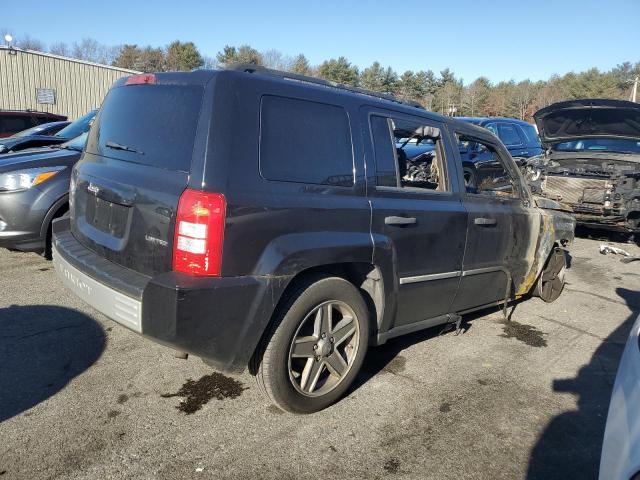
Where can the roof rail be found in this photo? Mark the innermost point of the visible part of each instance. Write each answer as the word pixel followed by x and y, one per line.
pixel 252 68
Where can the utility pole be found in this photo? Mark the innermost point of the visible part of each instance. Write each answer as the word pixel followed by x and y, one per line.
pixel 634 90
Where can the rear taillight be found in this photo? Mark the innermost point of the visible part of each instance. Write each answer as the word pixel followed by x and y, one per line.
pixel 197 246
pixel 144 79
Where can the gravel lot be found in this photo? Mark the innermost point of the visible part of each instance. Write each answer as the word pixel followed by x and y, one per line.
pixel 81 397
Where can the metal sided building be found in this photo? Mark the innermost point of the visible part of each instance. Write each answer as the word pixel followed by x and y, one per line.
pixel 51 83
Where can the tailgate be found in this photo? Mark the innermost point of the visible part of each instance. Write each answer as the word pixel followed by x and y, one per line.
pixel 125 190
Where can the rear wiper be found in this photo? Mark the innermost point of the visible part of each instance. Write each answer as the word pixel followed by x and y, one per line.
pixel 117 146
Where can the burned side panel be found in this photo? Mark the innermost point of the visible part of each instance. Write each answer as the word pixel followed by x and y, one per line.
pixel 525 239
pixel 554 228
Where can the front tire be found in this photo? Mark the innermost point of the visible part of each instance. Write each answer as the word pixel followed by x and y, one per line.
pixel 316 345
pixel 552 279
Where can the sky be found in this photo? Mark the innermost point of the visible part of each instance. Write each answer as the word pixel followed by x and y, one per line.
pixel 499 39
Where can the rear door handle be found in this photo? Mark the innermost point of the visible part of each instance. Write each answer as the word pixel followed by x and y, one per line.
pixel 485 222
pixel 393 220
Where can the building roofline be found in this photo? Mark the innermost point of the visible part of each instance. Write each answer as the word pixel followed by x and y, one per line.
pixel 68 59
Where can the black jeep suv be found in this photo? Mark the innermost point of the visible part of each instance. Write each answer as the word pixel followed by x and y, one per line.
pixel 273 221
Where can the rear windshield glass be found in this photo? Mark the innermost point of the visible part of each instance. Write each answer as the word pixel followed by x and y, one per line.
pixel 149 124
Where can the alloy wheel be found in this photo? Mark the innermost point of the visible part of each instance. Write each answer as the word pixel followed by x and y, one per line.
pixel 323 348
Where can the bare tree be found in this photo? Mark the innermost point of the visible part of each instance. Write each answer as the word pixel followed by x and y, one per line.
pixel 90 50
pixel 523 96
pixel 60 48
pixel 210 63
pixel 29 43
pixel 276 60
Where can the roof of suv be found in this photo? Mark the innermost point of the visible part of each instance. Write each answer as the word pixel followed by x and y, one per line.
pixel 203 77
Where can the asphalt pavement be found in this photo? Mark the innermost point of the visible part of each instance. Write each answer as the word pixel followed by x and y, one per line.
pixel 82 397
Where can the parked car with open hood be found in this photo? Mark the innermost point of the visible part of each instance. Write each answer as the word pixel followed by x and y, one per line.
pixel 34 190
pixel 592 161
pixel 72 130
pixel 271 221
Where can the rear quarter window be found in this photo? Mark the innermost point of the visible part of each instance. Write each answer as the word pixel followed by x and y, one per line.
pixel 531 135
pixel 306 142
pixel 152 125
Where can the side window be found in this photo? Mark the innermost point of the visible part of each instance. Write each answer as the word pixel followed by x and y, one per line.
pixel 306 142
pixel 484 169
pixel 531 134
pixel 509 134
pixel 493 128
pixel 408 154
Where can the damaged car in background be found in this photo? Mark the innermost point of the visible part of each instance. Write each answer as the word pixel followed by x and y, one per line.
pixel 592 161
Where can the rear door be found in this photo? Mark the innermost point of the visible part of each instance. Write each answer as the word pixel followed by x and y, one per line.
pixel 126 188
pixel 501 229
pixel 416 211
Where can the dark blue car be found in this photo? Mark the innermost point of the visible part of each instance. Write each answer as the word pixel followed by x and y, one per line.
pixel 520 138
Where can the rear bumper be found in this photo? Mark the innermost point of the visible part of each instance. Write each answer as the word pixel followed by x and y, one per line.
pixel 218 319
pixel 121 308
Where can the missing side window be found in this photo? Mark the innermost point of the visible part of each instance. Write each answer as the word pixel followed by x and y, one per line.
pixel 409 154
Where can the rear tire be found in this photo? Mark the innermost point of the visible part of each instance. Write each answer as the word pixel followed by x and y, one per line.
pixel 552 279
pixel 315 347
pixel 47 253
